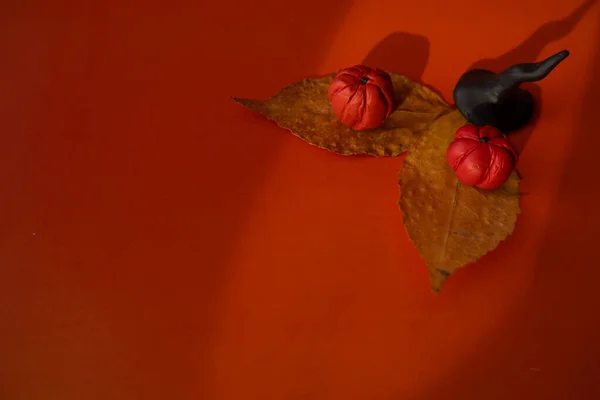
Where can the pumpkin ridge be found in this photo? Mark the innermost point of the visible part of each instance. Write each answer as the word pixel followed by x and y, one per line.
pixel 488 171
pixel 340 89
pixel 506 147
pixel 363 107
pixel 385 98
pixel 349 99
pixel 464 156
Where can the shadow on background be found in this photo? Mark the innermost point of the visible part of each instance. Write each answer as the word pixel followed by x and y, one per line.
pixel 282 48
pixel 531 51
pixel 126 156
pixel 401 52
pixel 552 338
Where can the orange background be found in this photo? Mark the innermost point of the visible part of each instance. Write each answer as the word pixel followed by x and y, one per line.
pixel 158 241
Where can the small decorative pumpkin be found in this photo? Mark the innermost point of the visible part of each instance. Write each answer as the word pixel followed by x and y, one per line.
pixel 481 156
pixel 361 97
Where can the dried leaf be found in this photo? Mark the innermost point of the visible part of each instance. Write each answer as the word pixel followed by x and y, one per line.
pixel 304 109
pixel 451 225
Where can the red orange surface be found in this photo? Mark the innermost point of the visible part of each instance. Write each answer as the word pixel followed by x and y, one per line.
pixel 158 241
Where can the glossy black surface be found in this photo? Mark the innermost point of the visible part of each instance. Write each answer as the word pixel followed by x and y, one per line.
pixel 487 98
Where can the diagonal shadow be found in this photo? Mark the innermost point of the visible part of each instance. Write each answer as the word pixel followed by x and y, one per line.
pixel 529 51
pixel 548 346
pixel 390 55
pixel 555 328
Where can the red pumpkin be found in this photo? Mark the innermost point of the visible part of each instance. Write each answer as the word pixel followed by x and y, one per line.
pixel 481 156
pixel 361 97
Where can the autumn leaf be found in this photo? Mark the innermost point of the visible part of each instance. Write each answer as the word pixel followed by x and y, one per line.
pixel 304 109
pixel 450 224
